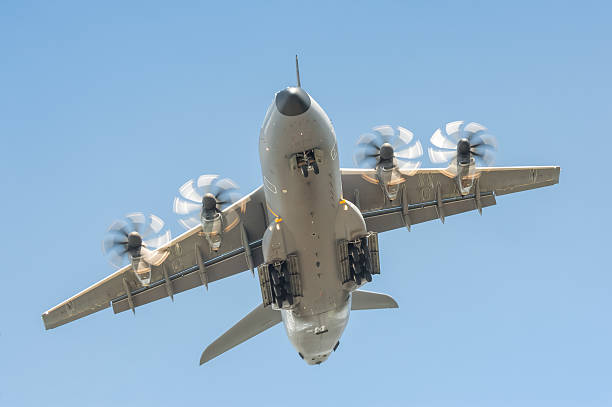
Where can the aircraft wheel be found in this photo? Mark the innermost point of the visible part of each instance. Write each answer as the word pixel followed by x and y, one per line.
pixel 363 263
pixel 357 279
pixel 364 242
pixel 368 277
pixel 354 269
pixel 305 171
pixel 354 253
pixel 367 257
pixel 315 167
pixel 290 299
pixel 274 276
pixel 278 290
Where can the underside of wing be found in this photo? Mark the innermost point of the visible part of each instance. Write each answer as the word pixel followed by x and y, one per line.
pixel 429 194
pixel 188 262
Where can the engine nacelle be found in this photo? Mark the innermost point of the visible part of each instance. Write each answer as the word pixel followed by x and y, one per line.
pixel 390 179
pixel 466 173
pixel 212 230
pixel 141 269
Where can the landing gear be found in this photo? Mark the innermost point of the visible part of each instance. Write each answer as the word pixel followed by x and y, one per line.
pixel 281 287
pixel 306 162
pixel 280 282
pixel 360 263
pixel 358 260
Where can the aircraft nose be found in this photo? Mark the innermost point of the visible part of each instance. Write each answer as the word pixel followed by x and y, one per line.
pixel 292 101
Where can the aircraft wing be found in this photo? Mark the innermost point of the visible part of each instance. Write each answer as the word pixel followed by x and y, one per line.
pixel 190 263
pixel 429 194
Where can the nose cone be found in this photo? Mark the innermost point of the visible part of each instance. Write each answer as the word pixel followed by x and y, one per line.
pixel 292 101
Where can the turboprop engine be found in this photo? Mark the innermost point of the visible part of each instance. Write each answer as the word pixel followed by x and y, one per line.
pixel 203 202
pixel 390 152
pixel 137 237
pixel 463 146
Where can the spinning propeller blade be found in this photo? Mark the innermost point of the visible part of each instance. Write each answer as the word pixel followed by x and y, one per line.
pixel 388 147
pixel 460 142
pixel 125 238
pixel 209 194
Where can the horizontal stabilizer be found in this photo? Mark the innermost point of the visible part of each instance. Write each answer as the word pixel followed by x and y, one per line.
pixel 254 323
pixel 370 300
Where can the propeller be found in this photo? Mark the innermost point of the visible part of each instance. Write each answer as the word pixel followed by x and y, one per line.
pixel 136 235
pixel 387 147
pixel 206 197
pixel 462 141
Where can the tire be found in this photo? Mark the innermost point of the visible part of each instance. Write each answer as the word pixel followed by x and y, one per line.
pixel 278 291
pixel 305 171
pixel 368 277
pixel 284 269
pixel 354 269
pixel 364 242
pixel 357 279
pixel 290 299
pixel 274 276
pixel 365 262
pixel 315 167
pixel 354 254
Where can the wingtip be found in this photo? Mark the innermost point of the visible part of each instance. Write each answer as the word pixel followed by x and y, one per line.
pixel 205 357
pixel 47 325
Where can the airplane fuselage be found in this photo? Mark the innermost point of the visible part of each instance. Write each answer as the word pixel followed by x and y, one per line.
pixel 304 210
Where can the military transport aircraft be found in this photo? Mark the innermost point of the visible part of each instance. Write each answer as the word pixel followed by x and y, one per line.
pixel 310 229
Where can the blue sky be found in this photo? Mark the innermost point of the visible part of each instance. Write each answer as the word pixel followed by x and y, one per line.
pixel 107 109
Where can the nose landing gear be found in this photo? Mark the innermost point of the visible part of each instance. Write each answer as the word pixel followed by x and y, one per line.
pixel 307 161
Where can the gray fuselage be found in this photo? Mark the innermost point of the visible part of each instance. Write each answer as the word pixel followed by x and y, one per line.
pixel 305 219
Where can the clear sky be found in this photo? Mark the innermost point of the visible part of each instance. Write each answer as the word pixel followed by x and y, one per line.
pixel 108 108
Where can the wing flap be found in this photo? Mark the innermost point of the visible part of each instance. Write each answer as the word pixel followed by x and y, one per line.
pixel 190 278
pixel 382 221
pixel 432 193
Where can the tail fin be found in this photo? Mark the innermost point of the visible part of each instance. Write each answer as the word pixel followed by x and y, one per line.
pixel 253 324
pixel 370 300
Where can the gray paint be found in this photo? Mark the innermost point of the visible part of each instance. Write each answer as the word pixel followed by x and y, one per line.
pixel 308 220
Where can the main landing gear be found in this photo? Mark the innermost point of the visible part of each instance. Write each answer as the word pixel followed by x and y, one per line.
pixel 360 263
pixel 281 286
pixel 280 282
pixel 358 260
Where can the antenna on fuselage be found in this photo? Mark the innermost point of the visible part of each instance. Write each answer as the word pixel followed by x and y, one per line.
pixel 297 70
